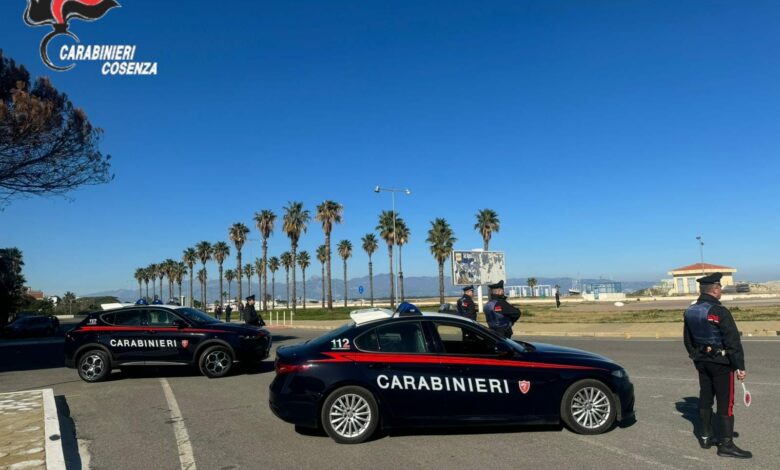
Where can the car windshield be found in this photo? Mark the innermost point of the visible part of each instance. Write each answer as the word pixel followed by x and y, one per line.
pixel 196 316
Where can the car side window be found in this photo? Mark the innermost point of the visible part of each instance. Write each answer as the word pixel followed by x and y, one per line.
pixel 161 318
pixel 463 340
pixel 367 341
pixel 131 318
pixel 406 337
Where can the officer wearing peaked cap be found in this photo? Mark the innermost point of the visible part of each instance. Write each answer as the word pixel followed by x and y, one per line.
pixel 499 314
pixel 712 341
pixel 250 314
pixel 466 306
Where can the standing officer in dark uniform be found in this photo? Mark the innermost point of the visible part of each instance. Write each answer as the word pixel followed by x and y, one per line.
pixel 250 314
pixel 499 314
pixel 712 340
pixel 466 307
pixel 228 312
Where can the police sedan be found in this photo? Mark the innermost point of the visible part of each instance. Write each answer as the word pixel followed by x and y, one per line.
pixel 161 335
pixel 387 369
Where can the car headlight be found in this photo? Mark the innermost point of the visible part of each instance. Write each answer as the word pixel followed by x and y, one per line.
pixel 620 373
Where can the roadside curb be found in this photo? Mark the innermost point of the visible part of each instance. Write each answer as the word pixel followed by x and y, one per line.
pixel 30 435
pixel 55 459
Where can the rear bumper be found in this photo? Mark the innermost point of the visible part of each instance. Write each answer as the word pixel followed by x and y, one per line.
pixel 300 412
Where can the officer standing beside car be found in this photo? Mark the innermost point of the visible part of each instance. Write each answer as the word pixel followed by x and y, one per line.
pixel 466 306
pixel 499 314
pixel 250 314
pixel 712 341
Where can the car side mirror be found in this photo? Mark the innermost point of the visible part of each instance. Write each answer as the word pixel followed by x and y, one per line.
pixel 503 350
pixel 179 323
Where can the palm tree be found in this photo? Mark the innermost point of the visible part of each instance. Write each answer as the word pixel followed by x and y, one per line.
pixel 249 270
pixel 441 238
pixel 286 260
pixel 180 270
pixel 203 249
pixel 220 251
pixel 69 297
pixel 139 276
pixel 265 225
pixel 388 220
pixel 161 273
pixel 370 245
pixel 170 268
pixel 273 266
pixel 237 234
pixel 147 276
pixel 345 251
pixel 294 224
pixel 152 268
pixel 532 283
pixel 304 261
pixel 229 276
pixel 329 213
pixel 322 257
pixel 259 269
pixel 487 223
pixel 401 239
pixel 190 257
pixel 202 279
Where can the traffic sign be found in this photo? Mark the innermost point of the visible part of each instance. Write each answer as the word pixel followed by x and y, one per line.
pixel 361 290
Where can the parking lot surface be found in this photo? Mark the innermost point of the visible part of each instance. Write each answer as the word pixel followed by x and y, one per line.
pixel 176 418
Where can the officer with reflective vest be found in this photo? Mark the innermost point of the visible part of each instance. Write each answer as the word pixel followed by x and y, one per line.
pixel 499 314
pixel 466 307
pixel 712 341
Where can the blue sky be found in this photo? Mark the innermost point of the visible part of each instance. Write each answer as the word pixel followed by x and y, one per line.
pixel 606 134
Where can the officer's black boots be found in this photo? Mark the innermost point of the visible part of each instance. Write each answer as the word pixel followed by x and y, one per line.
pixel 705 418
pixel 726 446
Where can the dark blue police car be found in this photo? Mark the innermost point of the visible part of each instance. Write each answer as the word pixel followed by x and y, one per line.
pixel 160 335
pixel 389 369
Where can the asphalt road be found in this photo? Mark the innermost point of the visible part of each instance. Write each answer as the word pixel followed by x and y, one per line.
pixel 126 422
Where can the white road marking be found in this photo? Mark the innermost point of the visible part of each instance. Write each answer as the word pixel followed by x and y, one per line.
pixel 55 459
pixel 186 457
pixel 623 453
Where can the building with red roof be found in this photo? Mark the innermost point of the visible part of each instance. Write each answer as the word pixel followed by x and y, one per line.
pixel 684 278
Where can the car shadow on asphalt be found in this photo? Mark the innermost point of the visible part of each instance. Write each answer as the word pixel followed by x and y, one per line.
pixel 277 338
pixel 443 431
pixel 186 371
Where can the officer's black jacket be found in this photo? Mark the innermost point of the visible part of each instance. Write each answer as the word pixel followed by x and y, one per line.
pixel 467 308
pixel 502 314
pixel 735 356
pixel 250 314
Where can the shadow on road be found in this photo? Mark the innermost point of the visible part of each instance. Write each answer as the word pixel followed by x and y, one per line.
pixel 689 410
pixel 186 371
pixel 277 338
pixel 70 445
pixel 31 356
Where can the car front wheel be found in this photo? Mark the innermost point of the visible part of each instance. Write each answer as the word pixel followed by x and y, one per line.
pixel 350 415
pixel 215 362
pixel 588 407
pixel 94 366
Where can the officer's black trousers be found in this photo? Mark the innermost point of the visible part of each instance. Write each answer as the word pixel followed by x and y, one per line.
pixel 716 381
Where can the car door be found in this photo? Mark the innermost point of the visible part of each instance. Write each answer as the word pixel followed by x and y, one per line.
pixel 127 334
pixel 486 385
pixel 405 371
pixel 169 343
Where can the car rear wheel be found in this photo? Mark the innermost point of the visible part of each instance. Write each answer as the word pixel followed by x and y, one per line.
pixel 350 415
pixel 215 362
pixel 588 407
pixel 94 366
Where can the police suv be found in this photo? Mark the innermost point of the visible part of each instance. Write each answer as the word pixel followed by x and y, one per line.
pixel 160 335
pixel 423 369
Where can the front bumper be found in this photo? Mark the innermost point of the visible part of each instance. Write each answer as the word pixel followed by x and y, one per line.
pixel 254 350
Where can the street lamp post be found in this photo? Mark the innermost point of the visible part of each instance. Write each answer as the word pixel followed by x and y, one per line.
pixel 392 191
pixel 701 253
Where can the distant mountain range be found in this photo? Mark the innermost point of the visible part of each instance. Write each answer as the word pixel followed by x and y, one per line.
pixel 414 286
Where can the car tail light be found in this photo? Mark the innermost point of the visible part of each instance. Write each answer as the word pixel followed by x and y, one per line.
pixel 282 368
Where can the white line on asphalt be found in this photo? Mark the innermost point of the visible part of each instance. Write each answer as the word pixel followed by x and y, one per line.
pixel 186 457
pixel 622 453
pixel 661 379
pixel 51 425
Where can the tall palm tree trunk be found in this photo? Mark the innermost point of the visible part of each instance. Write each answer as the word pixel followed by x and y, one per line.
pixel 371 280
pixel 485 245
pixel 147 290
pixel 140 293
pixel 293 248
pixel 287 285
pixel 441 282
pixel 323 286
pixel 170 288
pixel 400 273
pixel 161 293
pixel 345 283
pixel 265 275
pixel 303 275
pixel 240 268
pixel 179 290
pixel 330 285
pixel 192 288
pixel 221 298
pixel 273 290
pixel 203 290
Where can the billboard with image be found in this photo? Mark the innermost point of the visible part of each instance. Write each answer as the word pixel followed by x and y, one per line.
pixel 477 267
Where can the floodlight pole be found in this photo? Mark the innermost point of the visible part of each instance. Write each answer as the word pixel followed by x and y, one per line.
pixel 392 192
pixel 701 253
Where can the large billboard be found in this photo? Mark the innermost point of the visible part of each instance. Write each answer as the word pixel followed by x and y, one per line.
pixel 477 267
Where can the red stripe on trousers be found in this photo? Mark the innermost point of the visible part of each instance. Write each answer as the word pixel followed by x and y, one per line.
pixel 731 394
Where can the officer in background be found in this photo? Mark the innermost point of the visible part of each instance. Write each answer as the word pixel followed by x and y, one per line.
pixel 228 312
pixel 466 307
pixel 499 314
pixel 712 341
pixel 157 301
pixel 217 310
pixel 250 314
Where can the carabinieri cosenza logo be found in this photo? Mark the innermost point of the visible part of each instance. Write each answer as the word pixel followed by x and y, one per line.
pixel 119 59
